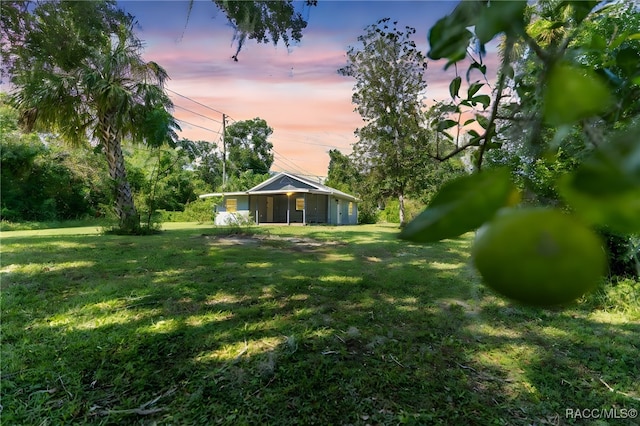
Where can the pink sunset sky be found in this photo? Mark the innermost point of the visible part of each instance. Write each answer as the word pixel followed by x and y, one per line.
pixel 297 90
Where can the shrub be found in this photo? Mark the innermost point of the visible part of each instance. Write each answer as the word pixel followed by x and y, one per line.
pixel 623 252
pixel 622 296
pixel 200 211
pixel 367 214
pixel 391 212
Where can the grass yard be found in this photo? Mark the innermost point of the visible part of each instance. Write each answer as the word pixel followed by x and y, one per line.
pixel 296 325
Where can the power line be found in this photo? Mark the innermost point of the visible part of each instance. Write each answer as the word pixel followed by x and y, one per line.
pixel 289 163
pixel 316 144
pixel 200 127
pixel 194 101
pixel 308 142
pixel 287 168
pixel 196 113
pixel 319 144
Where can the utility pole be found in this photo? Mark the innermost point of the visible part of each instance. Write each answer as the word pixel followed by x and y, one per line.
pixel 224 150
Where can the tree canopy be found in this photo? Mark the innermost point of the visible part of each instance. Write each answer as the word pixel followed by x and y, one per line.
pixel 264 21
pixel 248 147
pixel 248 151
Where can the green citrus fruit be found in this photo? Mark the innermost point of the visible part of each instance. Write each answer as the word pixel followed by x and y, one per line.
pixel 538 256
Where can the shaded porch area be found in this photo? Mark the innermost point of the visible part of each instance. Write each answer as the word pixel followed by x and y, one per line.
pixel 290 208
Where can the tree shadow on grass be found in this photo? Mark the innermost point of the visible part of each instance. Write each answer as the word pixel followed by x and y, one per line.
pixel 181 329
pixel 550 363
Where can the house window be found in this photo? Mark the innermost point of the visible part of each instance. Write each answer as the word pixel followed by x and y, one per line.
pixel 231 204
pixel 350 208
pixel 299 203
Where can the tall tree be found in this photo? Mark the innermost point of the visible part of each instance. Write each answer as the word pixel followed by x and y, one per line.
pixel 248 147
pixel 390 85
pixel 78 71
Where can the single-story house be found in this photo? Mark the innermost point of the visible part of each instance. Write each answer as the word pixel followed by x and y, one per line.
pixel 287 198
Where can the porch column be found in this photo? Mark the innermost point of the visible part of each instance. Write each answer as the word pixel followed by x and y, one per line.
pixel 304 210
pixel 255 219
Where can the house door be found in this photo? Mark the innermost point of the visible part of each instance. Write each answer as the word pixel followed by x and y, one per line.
pixel 338 212
pixel 270 209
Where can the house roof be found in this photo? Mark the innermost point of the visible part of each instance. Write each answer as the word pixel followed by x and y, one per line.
pixel 287 183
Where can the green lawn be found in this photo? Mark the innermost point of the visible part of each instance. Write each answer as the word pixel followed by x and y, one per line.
pixel 295 325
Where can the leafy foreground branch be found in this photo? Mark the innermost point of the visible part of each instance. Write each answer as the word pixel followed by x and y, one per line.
pixel 554 99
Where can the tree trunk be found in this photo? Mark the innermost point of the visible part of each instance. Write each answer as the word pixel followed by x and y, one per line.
pixel 125 208
pixel 401 209
pixel 396 140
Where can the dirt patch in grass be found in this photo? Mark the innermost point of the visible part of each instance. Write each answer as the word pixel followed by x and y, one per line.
pixel 276 241
pixel 234 240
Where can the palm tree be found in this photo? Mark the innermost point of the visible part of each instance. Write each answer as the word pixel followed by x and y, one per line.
pixel 107 94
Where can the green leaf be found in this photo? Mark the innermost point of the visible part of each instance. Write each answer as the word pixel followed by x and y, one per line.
pixel 582 8
pixel 475 141
pixel 605 189
pixel 498 17
pixel 473 89
pixel 447 135
pixel 574 93
pixel 461 205
pixel 478 66
pixel 485 100
pixel 446 124
pixel 555 25
pixel 469 121
pixel 619 40
pixel 597 42
pixel 474 134
pixel 449 37
pixel 448 41
pixel 454 87
pixel 628 61
pixel 482 121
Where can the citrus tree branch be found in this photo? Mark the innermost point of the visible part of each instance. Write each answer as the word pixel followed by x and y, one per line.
pixel 489 131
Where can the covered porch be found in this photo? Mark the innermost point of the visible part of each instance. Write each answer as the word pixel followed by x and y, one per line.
pixel 288 208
